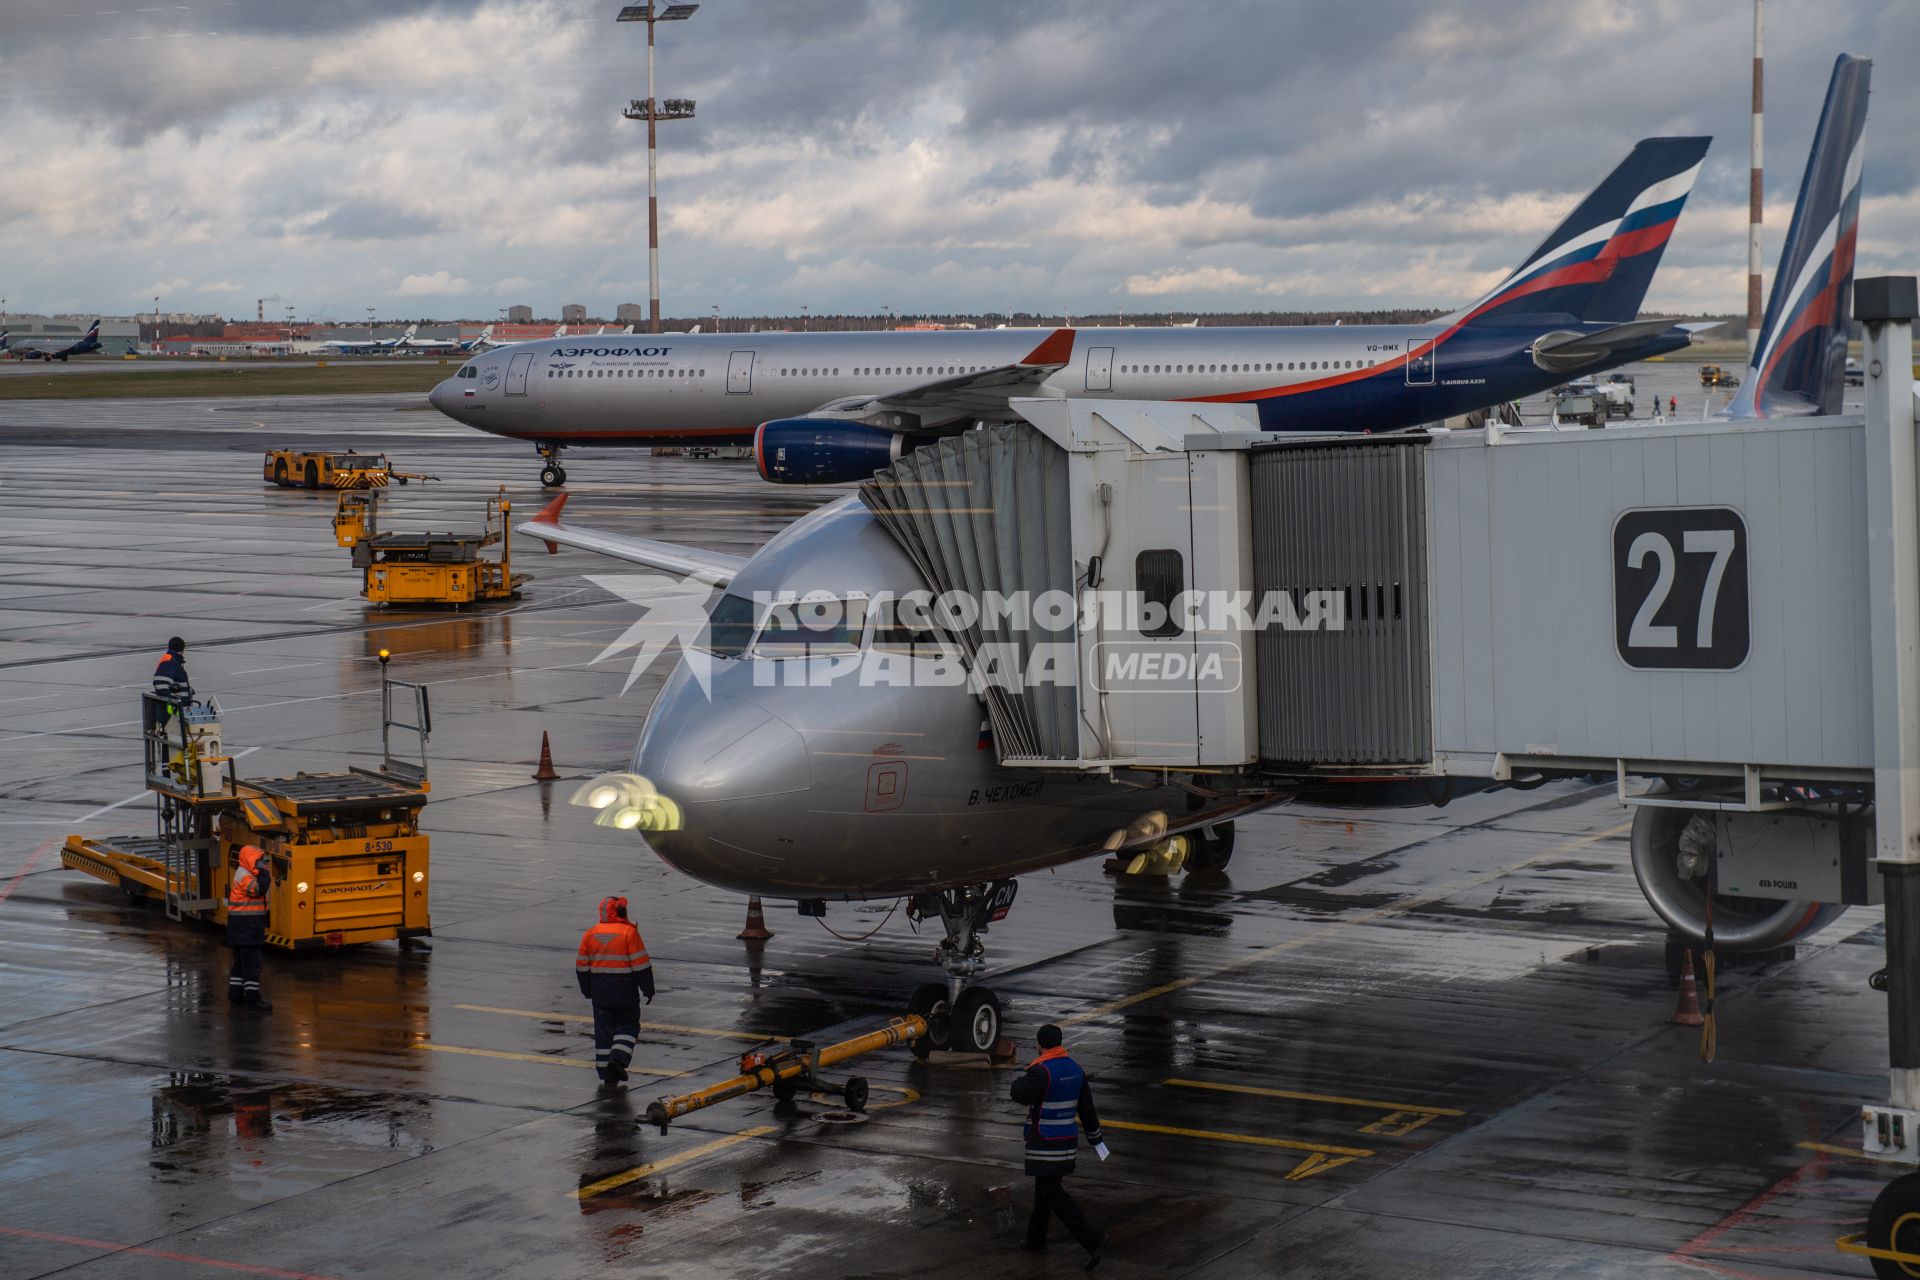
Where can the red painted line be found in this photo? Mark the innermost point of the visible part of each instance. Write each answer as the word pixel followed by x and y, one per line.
pixel 21 874
pixel 107 1246
pixel 1745 1213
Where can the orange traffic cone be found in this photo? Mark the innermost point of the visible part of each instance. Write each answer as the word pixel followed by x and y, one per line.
pixel 756 930
pixel 1687 1012
pixel 545 772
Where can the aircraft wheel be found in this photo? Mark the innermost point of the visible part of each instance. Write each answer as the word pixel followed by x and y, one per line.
pixel 552 477
pixel 280 473
pixel 929 1001
pixel 1894 1223
pixel 976 1021
pixel 313 476
pixel 1210 850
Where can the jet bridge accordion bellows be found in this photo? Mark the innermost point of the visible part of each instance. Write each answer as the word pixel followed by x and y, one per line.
pixel 986 512
pixel 1350 519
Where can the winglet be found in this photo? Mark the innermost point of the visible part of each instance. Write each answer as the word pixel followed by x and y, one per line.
pixel 549 514
pixel 1056 350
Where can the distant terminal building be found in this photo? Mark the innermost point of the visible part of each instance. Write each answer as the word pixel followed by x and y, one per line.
pixel 118 334
pixel 519 315
pixel 573 313
pixel 630 313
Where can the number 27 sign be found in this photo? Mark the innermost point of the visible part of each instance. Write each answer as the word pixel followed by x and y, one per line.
pixel 1680 589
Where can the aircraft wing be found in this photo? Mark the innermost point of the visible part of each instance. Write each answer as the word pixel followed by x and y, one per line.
pixel 715 567
pixel 969 396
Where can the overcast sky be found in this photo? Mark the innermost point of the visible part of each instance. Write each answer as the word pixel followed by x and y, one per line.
pixel 449 159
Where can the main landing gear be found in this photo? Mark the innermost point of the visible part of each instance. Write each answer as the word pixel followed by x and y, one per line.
pixel 553 475
pixel 960 1015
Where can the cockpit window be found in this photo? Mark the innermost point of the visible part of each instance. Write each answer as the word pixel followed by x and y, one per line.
pixel 729 626
pixel 894 633
pixel 812 628
pixel 468 371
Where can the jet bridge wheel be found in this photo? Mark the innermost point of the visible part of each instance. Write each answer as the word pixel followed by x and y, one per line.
pixel 1894 1224
pixel 1671 848
pixel 1210 848
pixel 553 476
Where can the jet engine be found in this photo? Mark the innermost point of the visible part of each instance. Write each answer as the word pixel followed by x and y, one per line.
pixel 822 450
pixel 1767 863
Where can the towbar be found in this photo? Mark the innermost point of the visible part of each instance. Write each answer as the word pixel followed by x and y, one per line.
pixel 786 1068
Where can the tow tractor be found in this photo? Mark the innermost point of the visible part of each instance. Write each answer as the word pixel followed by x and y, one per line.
pixel 332 469
pixel 349 861
pixel 427 568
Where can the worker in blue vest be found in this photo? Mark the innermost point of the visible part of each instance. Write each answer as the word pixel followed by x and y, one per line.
pixel 1059 1106
pixel 170 684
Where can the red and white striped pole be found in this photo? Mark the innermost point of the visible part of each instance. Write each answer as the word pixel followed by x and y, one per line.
pixel 1753 199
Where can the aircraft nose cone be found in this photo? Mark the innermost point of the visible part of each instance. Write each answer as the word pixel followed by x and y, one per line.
pixel 738 775
pixel 443 396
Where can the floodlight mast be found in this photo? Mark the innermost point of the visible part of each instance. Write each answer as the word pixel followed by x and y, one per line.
pixel 652 110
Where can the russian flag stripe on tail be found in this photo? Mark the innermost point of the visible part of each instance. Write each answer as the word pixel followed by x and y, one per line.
pixel 1596 265
pixel 1799 361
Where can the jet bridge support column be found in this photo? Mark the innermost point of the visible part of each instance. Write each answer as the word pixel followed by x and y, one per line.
pixel 1886 305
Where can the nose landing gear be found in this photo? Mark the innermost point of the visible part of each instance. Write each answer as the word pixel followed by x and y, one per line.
pixel 959 1014
pixel 553 475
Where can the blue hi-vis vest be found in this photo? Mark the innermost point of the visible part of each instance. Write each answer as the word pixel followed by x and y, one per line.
pixel 1059 1113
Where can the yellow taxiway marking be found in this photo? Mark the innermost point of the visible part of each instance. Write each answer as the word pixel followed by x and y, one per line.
pixel 549 1059
pixel 1247 1139
pixel 1833 1149
pixel 1336 1099
pixel 1404 905
pixel 644 1026
pixel 669 1162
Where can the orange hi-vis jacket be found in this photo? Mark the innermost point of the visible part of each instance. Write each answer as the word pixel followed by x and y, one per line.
pixel 247 895
pixel 612 965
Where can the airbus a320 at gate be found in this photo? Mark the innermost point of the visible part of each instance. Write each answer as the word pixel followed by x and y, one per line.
pixel 825 408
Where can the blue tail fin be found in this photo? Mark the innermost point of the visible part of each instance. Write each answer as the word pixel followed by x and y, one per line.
pixel 1596 265
pixel 1799 362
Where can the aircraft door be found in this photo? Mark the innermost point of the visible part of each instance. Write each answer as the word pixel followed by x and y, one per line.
pixel 1420 362
pixel 1100 368
pixel 740 373
pixel 517 373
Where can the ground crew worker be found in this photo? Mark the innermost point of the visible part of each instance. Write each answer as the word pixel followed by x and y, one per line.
pixel 1059 1107
pixel 614 972
pixel 170 683
pixel 1673 404
pixel 247 927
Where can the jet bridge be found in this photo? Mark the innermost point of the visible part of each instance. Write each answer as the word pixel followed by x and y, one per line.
pixel 1724 617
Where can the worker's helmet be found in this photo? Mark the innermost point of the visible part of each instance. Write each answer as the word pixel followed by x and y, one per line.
pixel 613 907
pixel 176 645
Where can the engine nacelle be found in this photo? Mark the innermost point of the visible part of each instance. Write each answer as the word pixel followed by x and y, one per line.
pixel 822 450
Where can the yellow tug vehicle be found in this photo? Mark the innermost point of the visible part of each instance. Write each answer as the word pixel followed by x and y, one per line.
pixel 349 862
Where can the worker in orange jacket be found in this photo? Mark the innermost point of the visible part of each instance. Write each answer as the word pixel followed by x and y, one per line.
pixel 614 972
pixel 247 927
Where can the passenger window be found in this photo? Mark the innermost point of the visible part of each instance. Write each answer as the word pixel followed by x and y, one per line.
pixel 811 628
pixel 1160 576
pixel 729 626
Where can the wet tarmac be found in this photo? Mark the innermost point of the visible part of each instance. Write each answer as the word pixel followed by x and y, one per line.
pixel 1422 1041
